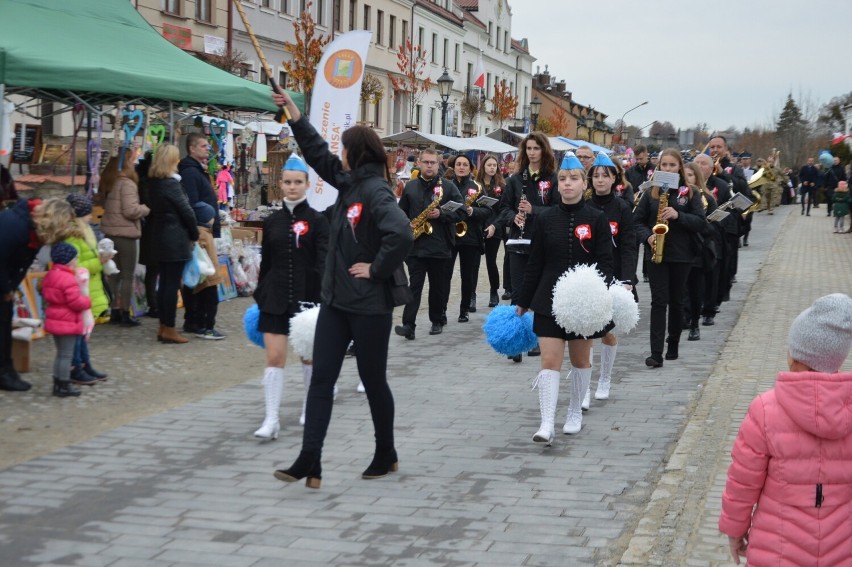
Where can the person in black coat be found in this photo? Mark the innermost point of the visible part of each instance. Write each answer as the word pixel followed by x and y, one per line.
pixel 642 170
pixel 493 184
pixel 470 246
pixel 833 177
pixel 369 239
pixel 174 227
pixel 432 253
pixel 809 177
pixel 684 217
pixel 293 251
pixel 605 197
pixel 24 228
pixel 567 234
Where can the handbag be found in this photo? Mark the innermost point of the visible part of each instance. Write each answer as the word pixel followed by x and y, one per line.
pixel 400 293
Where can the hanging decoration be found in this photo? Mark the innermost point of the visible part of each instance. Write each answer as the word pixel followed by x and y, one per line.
pixel 130 128
pixel 93 158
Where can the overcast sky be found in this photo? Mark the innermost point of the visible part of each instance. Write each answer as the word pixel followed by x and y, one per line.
pixel 728 62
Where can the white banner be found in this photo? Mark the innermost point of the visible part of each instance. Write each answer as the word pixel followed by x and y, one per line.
pixel 335 101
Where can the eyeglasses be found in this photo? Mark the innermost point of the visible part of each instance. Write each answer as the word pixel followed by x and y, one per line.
pixel 428 163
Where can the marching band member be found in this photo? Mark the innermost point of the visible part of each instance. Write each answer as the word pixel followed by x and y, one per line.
pixel 733 174
pixel 564 236
pixel 683 217
pixel 492 182
pixel 529 193
pixel 293 251
pixel 469 245
pixel 605 197
pixel 433 250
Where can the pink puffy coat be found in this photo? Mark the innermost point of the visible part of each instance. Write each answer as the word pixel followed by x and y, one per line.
pixel 793 459
pixel 65 302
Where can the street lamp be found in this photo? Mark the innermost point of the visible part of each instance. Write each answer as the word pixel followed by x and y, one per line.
pixel 445 87
pixel 535 109
pixel 621 122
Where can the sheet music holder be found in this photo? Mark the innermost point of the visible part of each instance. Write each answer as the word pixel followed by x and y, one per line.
pixel 451 206
pixel 486 201
pixel 738 201
pixel 717 215
pixel 518 241
pixel 661 179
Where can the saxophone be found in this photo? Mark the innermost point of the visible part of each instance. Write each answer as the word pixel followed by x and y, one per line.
pixel 420 225
pixel 660 229
pixel 461 226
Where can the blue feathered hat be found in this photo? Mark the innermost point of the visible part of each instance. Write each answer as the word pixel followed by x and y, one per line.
pixel 295 163
pixel 570 161
pixel 603 161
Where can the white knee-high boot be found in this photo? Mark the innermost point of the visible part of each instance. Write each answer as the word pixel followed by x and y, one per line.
pixel 587 398
pixel 580 378
pixel 307 372
pixel 548 392
pixel 607 360
pixel 273 387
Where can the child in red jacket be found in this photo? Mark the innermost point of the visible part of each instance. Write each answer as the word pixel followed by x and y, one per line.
pixel 63 317
pixel 788 499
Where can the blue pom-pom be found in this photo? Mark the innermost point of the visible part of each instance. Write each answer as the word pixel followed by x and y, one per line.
pixel 826 159
pixel 250 320
pixel 507 333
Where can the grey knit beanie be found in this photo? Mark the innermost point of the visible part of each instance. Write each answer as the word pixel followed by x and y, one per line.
pixel 821 335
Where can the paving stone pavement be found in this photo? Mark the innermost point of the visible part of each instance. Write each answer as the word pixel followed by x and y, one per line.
pixel 189 486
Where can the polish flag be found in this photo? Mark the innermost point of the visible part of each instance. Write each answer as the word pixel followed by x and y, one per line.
pixel 479 73
pixel 838 137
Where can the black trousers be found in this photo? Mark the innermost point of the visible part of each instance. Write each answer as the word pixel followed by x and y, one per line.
pixel 711 291
pixel 469 260
pixel 517 267
pixel 728 268
pixel 6 310
pixel 808 195
pixel 697 294
pixel 206 305
pixel 492 246
pixel 371 334
pixel 170 275
pixel 189 309
pixel 152 272
pixel 668 282
pixel 437 269
pixel 507 269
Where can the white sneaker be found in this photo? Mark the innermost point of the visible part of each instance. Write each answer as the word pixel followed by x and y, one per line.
pixel 587 400
pixel 361 389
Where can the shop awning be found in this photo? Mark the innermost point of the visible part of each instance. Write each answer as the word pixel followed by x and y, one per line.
pixel 104 52
pixel 479 143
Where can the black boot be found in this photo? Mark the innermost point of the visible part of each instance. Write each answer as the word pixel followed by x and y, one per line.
pixel 64 389
pixel 516 358
pixel 472 307
pixel 114 316
pixel 307 465
pixel 507 294
pixel 535 351
pixel 87 367
pixel 671 352
pixel 494 299
pixel 694 334
pixel 128 320
pixel 463 317
pixel 383 463
pixel 81 377
pixel 655 360
pixel 11 381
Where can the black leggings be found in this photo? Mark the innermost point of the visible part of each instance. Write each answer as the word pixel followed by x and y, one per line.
pixel 6 309
pixel 492 246
pixel 469 259
pixel 170 275
pixel 517 267
pixel 668 281
pixel 371 334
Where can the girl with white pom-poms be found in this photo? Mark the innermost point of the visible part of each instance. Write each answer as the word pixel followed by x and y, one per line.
pixel 568 235
pixel 604 197
pixel 293 251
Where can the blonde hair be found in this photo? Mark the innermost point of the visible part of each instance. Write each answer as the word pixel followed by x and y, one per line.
pixel 54 220
pixel 164 162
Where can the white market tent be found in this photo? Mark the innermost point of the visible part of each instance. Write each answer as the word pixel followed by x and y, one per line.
pixel 479 143
pixel 557 144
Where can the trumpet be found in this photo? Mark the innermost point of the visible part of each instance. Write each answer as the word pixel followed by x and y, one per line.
pixel 461 226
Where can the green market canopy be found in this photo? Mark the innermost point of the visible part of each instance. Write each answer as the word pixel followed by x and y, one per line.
pixel 98 52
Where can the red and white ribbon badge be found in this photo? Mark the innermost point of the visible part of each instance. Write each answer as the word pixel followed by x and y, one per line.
pixel 543 188
pixel 353 214
pixel 682 191
pixel 583 232
pixel 613 229
pixel 619 188
pixel 471 191
pixel 300 228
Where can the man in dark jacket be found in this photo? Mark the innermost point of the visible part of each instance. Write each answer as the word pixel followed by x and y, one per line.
pixel 833 176
pixel 433 252
pixel 196 184
pixel 808 176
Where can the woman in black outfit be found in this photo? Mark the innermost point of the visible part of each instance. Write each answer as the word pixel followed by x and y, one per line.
pixel 685 218
pixel 369 239
pixel 174 229
pixel 492 182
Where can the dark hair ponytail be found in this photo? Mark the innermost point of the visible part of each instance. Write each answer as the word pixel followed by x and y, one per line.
pixel 364 147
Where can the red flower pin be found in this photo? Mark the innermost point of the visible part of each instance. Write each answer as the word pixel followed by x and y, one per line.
pixel 583 232
pixel 613 228
pixel 300 228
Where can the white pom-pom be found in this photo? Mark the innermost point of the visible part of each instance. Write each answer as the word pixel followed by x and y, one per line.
pixel 303 325
pixel 625 311
pixel 582 303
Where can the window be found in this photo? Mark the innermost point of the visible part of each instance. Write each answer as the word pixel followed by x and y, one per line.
pixel 380 27
pixel 404 37
pixel 263 78
pixel 499 37
pixel 456 58
pixel 490 31
pixel 263 3
pixel 392 31
pixel 431 120
pixel 303 5
pixel 202 11
pixel 488 85
pixel 320 12
pixel 282 79
pixel 367 19
pixel 506 43
pixel 353 5
pixel 434 48
pixel 172 7
pixel 285 7
pixel 378 117
pixel 446 50
pixel 420 33
pixel 336 14
pixel 469 73
pixel 418 114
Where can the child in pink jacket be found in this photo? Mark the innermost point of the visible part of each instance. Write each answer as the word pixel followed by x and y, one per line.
pixel 788 499
pixel 63 316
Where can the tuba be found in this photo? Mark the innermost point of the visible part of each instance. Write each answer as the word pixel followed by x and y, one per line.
pixel 461 226
pixel 757 180
pixel 660 229
pixel 420 224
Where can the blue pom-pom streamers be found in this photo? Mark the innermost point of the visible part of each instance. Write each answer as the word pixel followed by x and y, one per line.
pixel 250 320
pixel 507 333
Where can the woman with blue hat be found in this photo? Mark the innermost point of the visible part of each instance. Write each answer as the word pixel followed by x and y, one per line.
pixel 293 251
pixel 605 197
pixel 569 234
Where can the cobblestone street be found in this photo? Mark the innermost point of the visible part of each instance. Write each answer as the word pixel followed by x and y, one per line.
pixel 157 466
